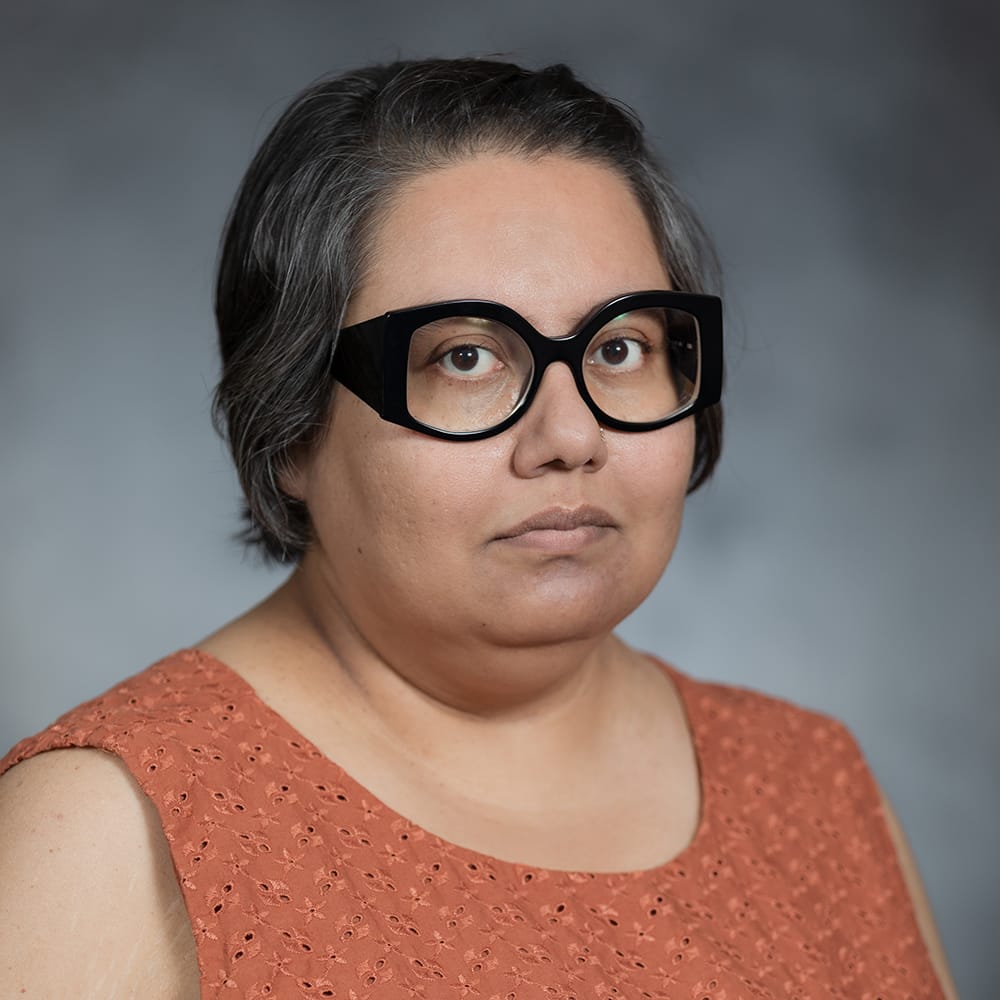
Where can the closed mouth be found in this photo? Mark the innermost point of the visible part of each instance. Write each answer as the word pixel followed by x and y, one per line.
pixel 562 519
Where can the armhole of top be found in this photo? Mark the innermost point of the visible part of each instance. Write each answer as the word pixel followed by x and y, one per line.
pixel 170 897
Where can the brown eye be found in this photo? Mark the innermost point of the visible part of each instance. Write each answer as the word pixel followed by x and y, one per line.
pixel 464 359
pixel 622 353
pixel 614 352
pixel 469 359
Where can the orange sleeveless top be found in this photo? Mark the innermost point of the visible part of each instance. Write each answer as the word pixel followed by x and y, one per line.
pixel 301 883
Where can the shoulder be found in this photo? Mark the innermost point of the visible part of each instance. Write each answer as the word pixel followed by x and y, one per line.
pixel 184 690
pixel 89 899
pixel 87 890
pixel 775 726
pixel 814 763
pixel 784 756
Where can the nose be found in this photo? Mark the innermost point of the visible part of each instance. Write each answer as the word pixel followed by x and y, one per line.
pixel 558 431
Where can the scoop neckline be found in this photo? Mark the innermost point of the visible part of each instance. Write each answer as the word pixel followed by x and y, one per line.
pixel 469 855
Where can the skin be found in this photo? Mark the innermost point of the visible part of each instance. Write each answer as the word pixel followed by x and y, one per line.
pixel 408 525
pixel 439 660
pixel 468 681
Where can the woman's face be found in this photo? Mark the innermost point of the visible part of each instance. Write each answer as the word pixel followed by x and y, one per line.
pixel 421 542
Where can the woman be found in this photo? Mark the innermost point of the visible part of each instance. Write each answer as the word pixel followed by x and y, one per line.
pixel 425 766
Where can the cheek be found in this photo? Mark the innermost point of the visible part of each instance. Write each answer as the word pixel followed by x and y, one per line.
pixel 402 498
pixel 659 468
pixel 655 484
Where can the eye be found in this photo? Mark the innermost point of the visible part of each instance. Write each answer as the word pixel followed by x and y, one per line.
pixel 468 359
pixel 621 353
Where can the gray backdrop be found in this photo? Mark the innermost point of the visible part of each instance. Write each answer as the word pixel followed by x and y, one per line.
pixel 844 155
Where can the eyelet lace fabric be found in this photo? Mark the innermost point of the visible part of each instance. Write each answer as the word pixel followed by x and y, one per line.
pixel 301 883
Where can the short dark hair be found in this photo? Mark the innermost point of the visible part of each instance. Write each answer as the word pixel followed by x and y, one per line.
pixel 299 235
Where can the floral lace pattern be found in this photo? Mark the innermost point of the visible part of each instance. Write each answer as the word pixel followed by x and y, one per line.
pixel 300 883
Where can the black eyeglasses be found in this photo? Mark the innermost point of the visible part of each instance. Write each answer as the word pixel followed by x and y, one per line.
pixel 468 369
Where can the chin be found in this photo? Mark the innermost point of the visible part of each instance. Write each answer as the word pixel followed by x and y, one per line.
pixel 557 612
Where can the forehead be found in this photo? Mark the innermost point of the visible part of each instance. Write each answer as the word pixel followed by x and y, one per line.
pixel 550 237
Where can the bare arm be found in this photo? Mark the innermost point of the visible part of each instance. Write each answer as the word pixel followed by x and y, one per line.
pixel 89 904
pixel 921 903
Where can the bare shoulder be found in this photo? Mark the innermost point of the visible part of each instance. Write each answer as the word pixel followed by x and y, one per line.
pixel 920 899
pixel 89 904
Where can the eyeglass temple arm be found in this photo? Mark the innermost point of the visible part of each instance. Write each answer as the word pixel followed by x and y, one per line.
pixel 712 353
pixel 357 360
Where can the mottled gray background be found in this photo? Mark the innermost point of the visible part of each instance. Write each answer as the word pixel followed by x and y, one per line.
pixel 845 155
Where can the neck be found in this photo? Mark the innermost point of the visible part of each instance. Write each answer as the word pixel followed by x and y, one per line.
pixel 508 774
pixel 434 699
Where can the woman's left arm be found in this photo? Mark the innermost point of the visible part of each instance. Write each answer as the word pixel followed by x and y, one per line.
pixel 921 904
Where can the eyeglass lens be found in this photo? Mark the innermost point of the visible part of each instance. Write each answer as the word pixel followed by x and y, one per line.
pixel 468 374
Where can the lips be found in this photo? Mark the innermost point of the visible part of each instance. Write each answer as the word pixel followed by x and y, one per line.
pixel 562 519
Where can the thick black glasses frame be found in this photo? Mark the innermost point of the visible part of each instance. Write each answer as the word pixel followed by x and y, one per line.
pixel 370 358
